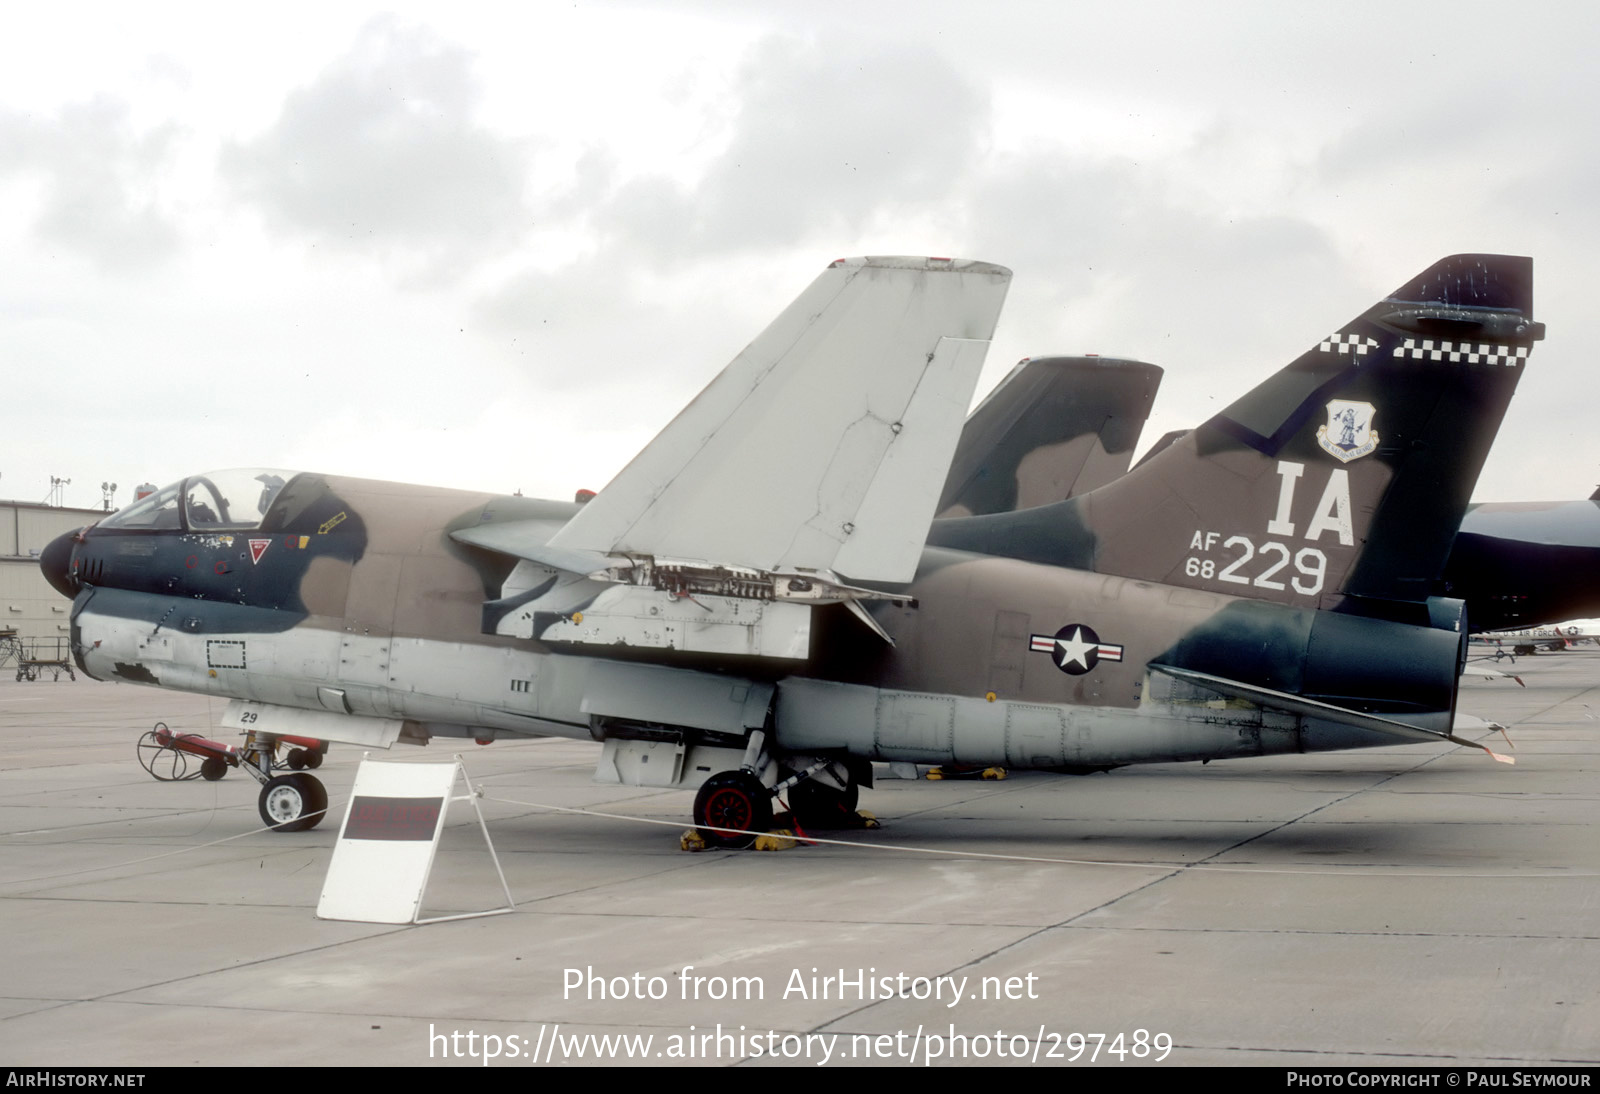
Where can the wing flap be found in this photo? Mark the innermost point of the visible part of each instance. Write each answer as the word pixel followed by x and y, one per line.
pixel 824 444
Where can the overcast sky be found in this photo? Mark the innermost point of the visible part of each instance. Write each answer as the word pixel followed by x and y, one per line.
pixel 499 248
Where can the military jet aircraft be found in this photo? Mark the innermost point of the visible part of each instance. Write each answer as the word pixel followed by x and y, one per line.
pixel 1554 637
pixel 761 603
pixel 1522 563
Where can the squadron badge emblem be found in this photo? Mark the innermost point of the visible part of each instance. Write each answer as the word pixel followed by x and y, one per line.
pixel 1349 434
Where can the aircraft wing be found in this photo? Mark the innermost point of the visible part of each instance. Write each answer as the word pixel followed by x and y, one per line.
pixel 1299 704
pixel 822 446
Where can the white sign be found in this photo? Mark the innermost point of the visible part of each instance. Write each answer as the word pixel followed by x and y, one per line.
pixel 388 840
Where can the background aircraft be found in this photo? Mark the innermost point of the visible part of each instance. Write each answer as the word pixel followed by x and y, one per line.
pixel 760 603
pixel 1556 636
pixel 1522 564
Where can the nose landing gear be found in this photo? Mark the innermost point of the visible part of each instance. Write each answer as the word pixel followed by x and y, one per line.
pixel 292 803
pixel 287 803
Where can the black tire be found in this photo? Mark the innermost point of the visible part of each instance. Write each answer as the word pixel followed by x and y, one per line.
pixel 816 805
pixel 297 759
pixel 292 803
pixel 213 768
pixel 732 799
pixel 313 759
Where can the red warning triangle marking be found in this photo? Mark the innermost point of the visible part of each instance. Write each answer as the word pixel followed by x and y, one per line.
pixel 258 547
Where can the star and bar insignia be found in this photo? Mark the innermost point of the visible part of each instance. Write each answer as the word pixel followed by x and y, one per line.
pixel 1075 648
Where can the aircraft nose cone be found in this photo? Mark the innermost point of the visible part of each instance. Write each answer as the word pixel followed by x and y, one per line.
pixel 56 562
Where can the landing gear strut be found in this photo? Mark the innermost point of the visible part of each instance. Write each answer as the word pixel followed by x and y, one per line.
pixel 734 807
pixel 288 803
pixel 817 805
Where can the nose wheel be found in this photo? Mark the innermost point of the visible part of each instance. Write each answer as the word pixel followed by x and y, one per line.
pixel 292 803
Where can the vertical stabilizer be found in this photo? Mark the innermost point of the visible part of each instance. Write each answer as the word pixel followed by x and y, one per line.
pixel 1345 474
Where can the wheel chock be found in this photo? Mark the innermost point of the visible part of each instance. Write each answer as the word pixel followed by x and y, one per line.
pixel 959 771
pixel 780 839
pixel 691 841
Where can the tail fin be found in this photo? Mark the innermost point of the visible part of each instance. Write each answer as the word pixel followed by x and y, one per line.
pixel 1054 428
pixel 1344 475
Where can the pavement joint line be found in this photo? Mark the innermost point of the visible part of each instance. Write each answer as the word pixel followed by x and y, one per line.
pixel 1354 793
pixel 393 1016
pixel 1339 934
pixel 1164 867
pixel 111 996
pixel 139 861
pixel 1205 865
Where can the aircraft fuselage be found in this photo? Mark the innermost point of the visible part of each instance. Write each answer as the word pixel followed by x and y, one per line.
pixel 351 598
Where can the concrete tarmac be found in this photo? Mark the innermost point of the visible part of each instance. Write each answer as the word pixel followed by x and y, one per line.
pixel 1400 906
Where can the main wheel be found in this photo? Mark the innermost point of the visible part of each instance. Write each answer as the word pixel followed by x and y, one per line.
pixel 732 799
pixel 817 805
pixel 292 803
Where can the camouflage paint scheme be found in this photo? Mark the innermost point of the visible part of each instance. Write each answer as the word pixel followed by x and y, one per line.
pixel 1055 427
pixel 1527 563
pixel 1035 441
pixel 1264 584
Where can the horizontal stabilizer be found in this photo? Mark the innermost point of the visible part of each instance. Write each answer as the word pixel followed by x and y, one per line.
pixel 824 444
pixel 1311 708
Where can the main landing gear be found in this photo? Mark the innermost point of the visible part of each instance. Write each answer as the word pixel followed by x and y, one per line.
pixel 287 803
pixel 732 800
pixel 734 808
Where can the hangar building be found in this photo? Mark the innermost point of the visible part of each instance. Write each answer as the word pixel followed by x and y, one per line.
pixel 28 605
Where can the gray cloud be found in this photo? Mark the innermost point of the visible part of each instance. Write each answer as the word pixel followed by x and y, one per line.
pixel 1078 221
pixel 100 179
pixel 827 136
pixel 827 141
pixel 380 155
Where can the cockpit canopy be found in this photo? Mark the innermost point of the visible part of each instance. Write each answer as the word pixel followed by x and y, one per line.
pixel 218 501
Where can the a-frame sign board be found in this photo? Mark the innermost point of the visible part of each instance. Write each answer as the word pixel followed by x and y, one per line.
pixel 388 842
